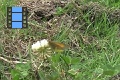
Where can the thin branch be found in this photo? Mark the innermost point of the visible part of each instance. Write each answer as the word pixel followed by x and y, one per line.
pixel 11 62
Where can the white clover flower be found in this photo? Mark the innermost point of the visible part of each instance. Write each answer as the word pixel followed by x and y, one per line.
pixel 40 44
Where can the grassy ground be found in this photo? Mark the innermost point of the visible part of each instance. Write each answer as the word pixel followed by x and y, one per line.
pixel 93 37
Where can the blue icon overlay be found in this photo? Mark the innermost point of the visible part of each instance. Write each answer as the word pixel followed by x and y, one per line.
pixel 16 17
pixel 16 9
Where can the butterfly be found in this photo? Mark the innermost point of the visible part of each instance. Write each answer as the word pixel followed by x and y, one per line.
pixel 58 47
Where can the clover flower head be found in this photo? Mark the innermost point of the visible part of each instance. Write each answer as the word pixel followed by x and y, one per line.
pixel 40 44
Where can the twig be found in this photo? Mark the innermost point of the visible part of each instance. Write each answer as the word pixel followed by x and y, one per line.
pixel 11 62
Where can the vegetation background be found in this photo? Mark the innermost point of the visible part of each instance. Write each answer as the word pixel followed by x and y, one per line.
pixel 91 29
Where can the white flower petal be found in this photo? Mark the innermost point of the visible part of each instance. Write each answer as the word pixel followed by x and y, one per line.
pixel 44 43
pixel 40 44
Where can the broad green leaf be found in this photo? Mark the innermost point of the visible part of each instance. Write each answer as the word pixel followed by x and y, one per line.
pixel 108 72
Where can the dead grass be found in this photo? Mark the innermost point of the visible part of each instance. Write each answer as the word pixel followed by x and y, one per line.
pixel 44 23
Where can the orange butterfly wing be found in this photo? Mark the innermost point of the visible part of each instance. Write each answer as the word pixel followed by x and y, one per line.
pixel 57 46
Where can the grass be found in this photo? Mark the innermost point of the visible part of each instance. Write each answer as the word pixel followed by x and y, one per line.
pixel 93 40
